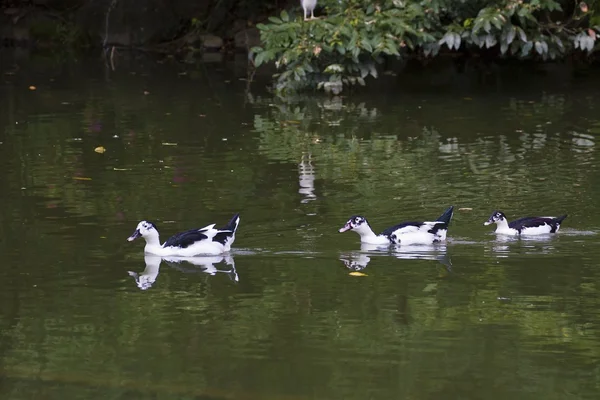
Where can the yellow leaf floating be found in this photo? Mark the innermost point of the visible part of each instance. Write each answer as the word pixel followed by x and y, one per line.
pixel 465 209
pixel 100 149
pixel 82 178
pixel 356 273
pixel 32 87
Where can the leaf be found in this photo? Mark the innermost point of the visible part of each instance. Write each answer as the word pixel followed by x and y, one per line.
pixel 100 149
pixel 487 26
pixel 510 35
pixel 538 48
pixel 589 43
pixel 360 80
pixel 559 43
pixel 522 35
pixel 497 22
pixel 448 39
pixel 285 16
pixel 373 70
pixel 82 178
pixel 275 20
pixel 333 68
pixel 356 273
pixel 457 41
pixel 366 45
pixel 526 49
pixel 490 41
pixel 260 58
pixel 503 47
pixel 364 71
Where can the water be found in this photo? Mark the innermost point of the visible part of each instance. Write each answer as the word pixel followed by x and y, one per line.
pixel 297 310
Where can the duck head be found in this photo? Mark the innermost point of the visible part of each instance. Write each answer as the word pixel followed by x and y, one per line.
pixel 496 217
pixel 356 223
pixel 144 229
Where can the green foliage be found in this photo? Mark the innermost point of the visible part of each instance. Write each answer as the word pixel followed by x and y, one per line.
pixel 344 45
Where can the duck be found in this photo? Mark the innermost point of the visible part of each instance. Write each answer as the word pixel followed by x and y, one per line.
pixel 427 232
pixel 309 7
pixel 525 225
pixel 203 241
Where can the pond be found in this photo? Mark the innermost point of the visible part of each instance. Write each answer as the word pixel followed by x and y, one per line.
pixel 296 310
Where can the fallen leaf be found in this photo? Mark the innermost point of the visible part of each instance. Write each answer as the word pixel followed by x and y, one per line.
pixel 465 209
pixel 146 93
pixel 120 169
pixel 169 144
pixel 32 87
pixel 356 273
pixel 100 149
pixel 82 178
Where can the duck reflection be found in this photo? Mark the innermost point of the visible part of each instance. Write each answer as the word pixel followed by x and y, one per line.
pixel 206 265
pixel 146 279
pixel 505 245
pixel 306 177
pixel 357 261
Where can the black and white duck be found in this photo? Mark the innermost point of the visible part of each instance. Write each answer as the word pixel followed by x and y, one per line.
pixel 427 232
pixel 208 240
pixel 525 225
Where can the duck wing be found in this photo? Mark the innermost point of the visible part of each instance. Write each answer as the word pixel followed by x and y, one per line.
pixel 413 227
pixel 534 222
pixel 187 238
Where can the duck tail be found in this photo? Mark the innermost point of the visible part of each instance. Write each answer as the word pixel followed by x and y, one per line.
pixel 446 216
pixel 233 223
pixel 561 218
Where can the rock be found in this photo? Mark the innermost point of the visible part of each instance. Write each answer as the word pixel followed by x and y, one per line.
pixel 211 42
pixel 247 38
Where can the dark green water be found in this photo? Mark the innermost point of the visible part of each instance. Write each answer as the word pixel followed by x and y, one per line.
pixel 282 317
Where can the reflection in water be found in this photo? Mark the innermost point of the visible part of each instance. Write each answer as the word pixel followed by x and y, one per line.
pixel 146 279
pixel 505 245
pixel 206 265
pixel 306 174
pixel 357 261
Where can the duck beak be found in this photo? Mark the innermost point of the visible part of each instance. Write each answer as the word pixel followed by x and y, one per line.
pixel 345 228
pixel 488 222
pixel 134 236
